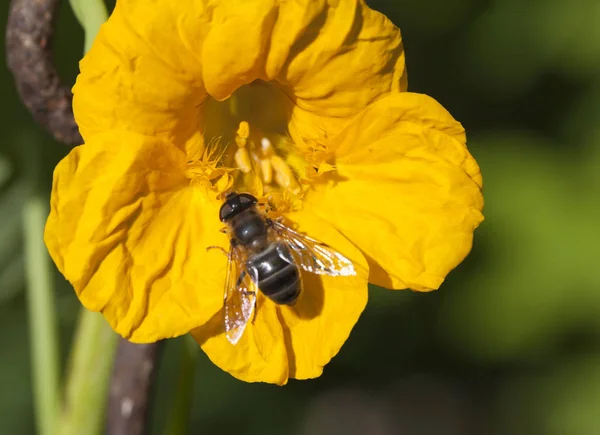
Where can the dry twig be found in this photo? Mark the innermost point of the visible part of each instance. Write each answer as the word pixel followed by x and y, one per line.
pixel 130 388
pixel 29 37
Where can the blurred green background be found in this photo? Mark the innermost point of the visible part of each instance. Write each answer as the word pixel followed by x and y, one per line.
pixel 510 345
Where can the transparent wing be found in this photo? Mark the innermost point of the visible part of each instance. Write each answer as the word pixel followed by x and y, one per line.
pixel 240 296
pixel 310 254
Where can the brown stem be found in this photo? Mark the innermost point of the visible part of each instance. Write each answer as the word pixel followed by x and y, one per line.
pixel 29 37
pixel 130 388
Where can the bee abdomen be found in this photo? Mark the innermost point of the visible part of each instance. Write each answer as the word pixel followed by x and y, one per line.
pixel 276 278
pixel 283 286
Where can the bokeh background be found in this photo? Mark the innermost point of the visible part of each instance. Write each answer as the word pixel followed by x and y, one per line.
pixel 509 345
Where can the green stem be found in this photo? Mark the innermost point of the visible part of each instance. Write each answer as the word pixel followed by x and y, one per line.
pixel 90 368
pixel 179 412
pixel 90 14
pixel 42 319
pixel 94 345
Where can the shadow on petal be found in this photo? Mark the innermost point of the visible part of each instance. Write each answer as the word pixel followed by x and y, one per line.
pixel 310 302
pixel 287 339
pixel 378 274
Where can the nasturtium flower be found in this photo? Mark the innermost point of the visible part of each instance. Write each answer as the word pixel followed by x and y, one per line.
pixel 304 105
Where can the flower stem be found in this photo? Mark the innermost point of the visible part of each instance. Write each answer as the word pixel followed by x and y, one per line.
pixel 90 367
pixel 90 14
pixel 94 345
pixel 179 413
pixel 42 319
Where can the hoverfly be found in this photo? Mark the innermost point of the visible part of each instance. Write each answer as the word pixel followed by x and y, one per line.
pixel 265 255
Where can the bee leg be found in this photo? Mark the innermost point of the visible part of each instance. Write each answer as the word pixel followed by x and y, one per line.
pixel 223 230
pixel 210 248
pixel 254 307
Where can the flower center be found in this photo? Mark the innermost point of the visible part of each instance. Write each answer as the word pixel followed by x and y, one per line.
pixel 247 148
pixel 259 162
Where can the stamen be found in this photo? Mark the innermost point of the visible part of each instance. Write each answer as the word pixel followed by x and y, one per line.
pixel 284 176
pixel 242 160
pixel 240 141
pixel 266 147
pixel 243 130
pixel 264 160
pixel 266 168
pixel 242 157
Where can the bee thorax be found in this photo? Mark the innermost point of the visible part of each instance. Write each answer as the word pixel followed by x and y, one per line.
pixel 248 226
pixel 258 243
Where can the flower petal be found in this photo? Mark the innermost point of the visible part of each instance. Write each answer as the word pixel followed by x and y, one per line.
pixel 406 191
pixel 259 356
pixel 154 62
pixel 331 58
pixel 321 321
pixel 142 73
pixel 294 342
pixel 355 56
pixel 130 233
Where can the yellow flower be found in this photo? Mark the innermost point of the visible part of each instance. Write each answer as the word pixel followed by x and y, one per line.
pixel 301 103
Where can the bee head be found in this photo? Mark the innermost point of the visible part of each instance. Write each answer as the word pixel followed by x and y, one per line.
pixel 236 203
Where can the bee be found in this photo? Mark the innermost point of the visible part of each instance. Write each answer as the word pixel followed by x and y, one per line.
pixel 266 255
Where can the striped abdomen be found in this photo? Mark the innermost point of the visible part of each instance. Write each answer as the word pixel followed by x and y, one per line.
pixel 277 279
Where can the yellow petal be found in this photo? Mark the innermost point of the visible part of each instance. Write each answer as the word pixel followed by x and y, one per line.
pixel 321 321
pixel 154 62
pixel 406 192
pixel 332 58
pixel 130 234
pixel 341 64
pixel 142 73
pixel 294 342
pixel 259 356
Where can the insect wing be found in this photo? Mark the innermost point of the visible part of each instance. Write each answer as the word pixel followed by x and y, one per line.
pixel 240 296
pixel 311 254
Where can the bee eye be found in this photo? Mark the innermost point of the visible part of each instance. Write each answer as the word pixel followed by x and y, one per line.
pixel 225 211
pixel 246 198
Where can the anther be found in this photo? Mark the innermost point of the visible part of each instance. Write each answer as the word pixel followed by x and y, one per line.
pixel 243 130
pixel 242 134
pixel 240 141
pixel 242 160
pixel 283 174
pixel 266 169
pixel 264 159
pixel 266 147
